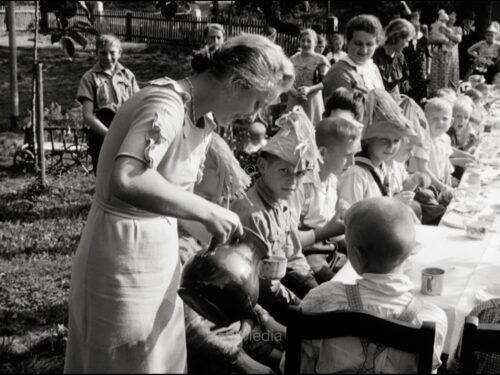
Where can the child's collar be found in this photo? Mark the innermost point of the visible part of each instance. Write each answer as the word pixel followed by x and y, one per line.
pixel 266 195
pixel 98 68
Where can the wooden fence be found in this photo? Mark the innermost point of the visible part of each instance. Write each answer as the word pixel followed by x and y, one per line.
pixel 153 28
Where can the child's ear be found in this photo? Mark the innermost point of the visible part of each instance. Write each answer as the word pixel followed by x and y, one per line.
pixel 261 165
pixel 323 151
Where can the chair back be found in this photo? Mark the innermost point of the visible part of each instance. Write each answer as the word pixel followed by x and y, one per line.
pixel 484 338
pixel 389 332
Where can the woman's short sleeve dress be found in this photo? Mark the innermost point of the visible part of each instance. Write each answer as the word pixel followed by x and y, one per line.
pixel 124 311
pixel 304 73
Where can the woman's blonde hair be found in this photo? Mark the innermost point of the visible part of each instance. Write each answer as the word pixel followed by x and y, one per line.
pixel 397 30
pixel 251 61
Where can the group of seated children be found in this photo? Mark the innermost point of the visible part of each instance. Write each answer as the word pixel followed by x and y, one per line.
pixel 400 151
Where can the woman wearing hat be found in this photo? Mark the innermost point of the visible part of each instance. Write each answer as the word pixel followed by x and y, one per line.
pixel 389 57
pixel 485 53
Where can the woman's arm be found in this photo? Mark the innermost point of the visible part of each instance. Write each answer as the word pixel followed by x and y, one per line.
pixel 455 37
pixel 133 182
pixel 473 50
pixel 91 120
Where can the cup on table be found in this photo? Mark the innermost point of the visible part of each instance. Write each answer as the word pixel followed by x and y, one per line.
pixel 475 228
pixel 273 267
pixel 432 281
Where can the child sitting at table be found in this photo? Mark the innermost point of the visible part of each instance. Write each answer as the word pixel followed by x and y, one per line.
pixel 346 103
pixel 283 162
pixel 479 111
pixel 487 312
pixel 437 164
pixel 385 126
pixel 314 203
pixel 462 135
pixel 380 236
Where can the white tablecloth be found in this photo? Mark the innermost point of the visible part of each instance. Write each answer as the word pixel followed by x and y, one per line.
pixel 468 263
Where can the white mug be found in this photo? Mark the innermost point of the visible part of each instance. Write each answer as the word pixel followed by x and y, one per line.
pixel 432 281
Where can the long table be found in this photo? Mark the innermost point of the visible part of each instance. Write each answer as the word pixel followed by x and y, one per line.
pixel 470 264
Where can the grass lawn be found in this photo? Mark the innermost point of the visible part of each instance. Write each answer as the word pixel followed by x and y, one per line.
pixel 40 228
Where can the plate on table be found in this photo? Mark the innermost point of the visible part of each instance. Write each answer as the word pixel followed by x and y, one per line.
pixel 487 292
pixel 454 220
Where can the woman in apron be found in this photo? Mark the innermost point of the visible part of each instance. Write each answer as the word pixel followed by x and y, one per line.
pixel 124 312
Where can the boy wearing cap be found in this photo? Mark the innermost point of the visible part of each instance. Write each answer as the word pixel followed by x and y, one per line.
pixel 282 163
pixel 380 236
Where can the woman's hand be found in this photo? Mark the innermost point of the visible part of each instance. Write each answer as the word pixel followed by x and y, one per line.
pixel 304 91
pixel 223 224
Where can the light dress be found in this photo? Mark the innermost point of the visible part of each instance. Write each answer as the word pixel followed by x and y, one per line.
pixel 124 312
pixel 304 73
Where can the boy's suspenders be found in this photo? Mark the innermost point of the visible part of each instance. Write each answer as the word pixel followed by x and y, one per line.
pixel 383 188
pixel 372 350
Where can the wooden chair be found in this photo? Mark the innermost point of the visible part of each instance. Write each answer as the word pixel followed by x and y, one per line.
pixel 484 338
pixel 389 332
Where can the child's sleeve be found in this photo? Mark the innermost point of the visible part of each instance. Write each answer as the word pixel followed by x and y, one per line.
pixel 251 219
pixel 86 88
pixel 351 187
pixel 135 85
pixel 296 258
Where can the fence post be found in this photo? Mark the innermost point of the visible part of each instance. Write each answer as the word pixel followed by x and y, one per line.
pixel 39 122
pixel 14 90
pixel 230 26
pixel 128 25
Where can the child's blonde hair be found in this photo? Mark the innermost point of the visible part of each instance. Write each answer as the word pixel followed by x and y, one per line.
pixel 463 102
pixel 437 104
pixel 447 94
pixel 105 40
pixel 475 95
pixel 213 26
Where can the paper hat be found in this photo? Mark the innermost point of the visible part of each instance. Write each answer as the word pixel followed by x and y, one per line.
pixel 295 142
pixel 492 28
pixel 384 119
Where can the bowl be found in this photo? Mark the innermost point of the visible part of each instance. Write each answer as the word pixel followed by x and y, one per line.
pixel 475 229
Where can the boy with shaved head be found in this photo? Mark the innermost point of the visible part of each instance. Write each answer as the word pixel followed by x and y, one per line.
pixel 380 235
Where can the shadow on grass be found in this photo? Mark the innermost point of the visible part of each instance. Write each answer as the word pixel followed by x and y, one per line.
pixel 29 344
pixel 21 322
pixel 46 356
pixel 23 210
